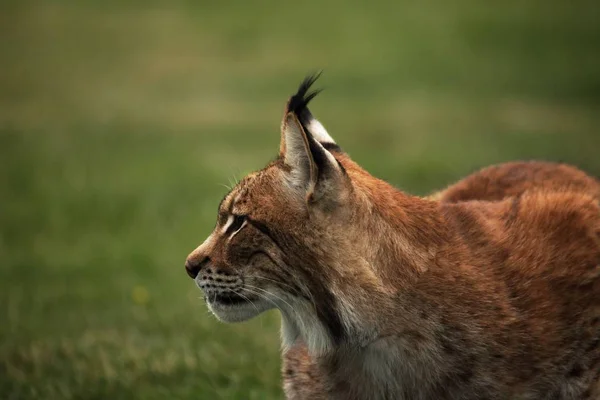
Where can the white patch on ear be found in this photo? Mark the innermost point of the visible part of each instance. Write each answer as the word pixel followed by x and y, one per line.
pixel 330 157
pixel 319 132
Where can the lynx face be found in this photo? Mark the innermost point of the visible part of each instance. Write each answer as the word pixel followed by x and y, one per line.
pixel 235 266
pixel 275 232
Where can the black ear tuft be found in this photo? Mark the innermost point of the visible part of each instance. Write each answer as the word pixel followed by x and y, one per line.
pixel 298 102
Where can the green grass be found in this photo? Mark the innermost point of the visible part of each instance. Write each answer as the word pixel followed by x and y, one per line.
pixel 119 123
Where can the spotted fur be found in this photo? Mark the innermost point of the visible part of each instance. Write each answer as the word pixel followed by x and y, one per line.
pixel 489 289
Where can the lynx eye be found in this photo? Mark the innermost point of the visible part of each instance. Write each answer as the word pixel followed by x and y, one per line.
pixel 236 224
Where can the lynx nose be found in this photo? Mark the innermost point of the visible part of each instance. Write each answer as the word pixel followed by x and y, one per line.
pixel 193 265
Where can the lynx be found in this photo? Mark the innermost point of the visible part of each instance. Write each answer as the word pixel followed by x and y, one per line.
pixel 384 295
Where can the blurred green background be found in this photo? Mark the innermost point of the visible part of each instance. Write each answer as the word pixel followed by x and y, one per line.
pixel 120 122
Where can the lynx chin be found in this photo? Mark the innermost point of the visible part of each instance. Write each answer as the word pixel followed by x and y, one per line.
pixel 489 289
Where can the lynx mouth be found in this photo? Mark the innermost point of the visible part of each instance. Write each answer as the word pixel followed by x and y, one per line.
pixel 232 307
pixel 228 299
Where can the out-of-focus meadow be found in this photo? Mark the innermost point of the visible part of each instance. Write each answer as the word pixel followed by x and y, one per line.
pixel 120 122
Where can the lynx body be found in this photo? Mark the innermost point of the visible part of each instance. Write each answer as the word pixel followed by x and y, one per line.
pixel 384 295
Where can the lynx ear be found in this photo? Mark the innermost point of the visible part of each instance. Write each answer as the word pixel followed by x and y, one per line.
pixel 305 147
pixel 313 169
pixel 296 152
pixel 298 104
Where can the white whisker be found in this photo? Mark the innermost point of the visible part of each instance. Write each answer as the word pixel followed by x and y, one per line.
pixel 294 290
pixel 260 295
pixel 248 300
pixel 251 302
pixel 233 180
pixel 272 294
pixel 275 281
pixel 269 300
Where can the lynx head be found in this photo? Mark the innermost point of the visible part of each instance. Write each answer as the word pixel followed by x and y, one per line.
pixel 279 233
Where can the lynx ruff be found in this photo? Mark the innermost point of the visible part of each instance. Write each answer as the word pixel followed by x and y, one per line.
pixel 384 295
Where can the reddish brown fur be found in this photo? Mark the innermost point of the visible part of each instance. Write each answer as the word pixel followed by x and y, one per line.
pixel 400 297
pixel 514 178
pixel 302 375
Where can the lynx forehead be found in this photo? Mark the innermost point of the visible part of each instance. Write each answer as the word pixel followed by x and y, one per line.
pixel 489 289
